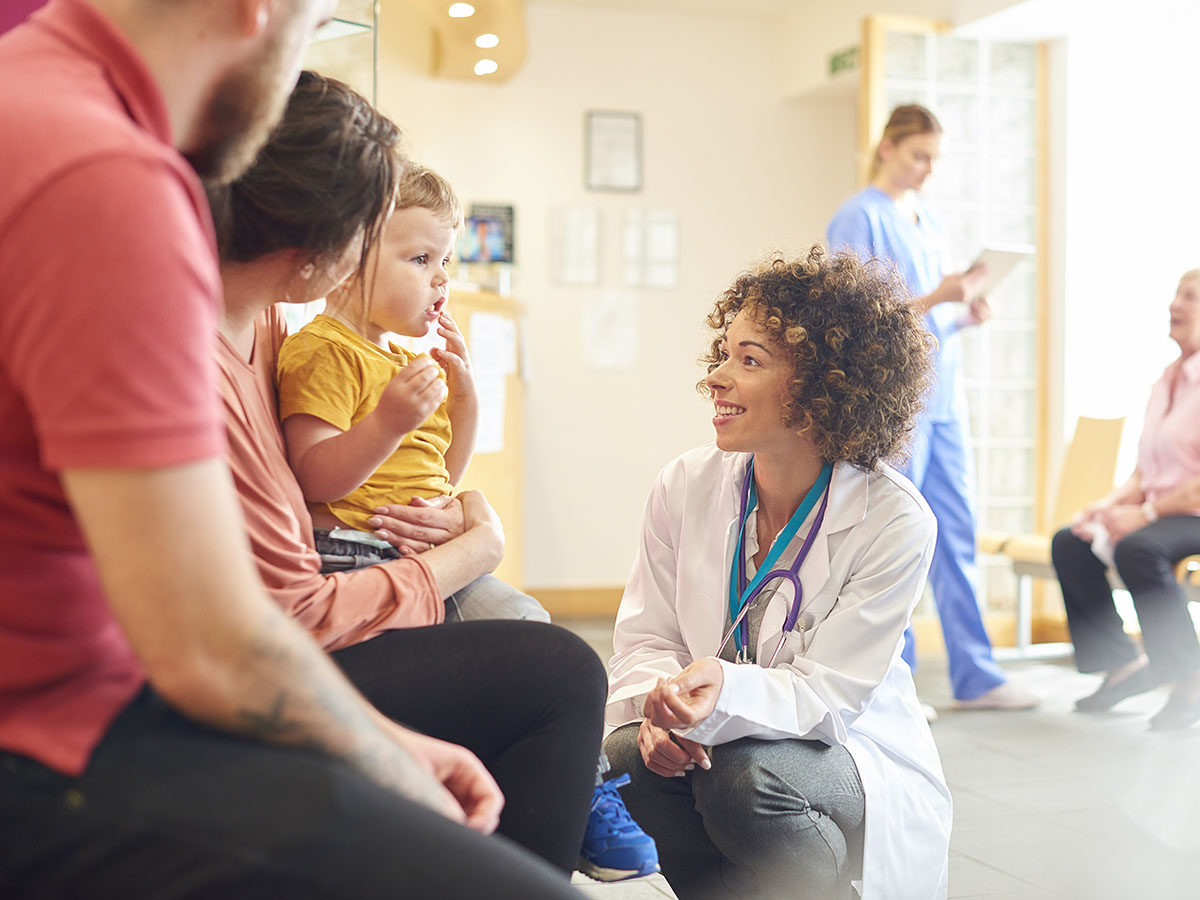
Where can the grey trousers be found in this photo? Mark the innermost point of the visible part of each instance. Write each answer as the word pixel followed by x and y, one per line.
pixel 485 598
pixel 771 819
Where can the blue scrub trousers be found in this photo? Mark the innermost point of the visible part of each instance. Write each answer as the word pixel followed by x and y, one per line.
pixel 940 467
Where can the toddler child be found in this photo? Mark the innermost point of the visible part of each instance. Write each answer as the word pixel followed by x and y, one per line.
pixel 369 423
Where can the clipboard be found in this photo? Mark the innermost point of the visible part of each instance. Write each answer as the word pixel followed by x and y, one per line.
pixel 1000 261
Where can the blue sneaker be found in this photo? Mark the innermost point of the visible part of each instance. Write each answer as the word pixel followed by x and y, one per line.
pixel 614 846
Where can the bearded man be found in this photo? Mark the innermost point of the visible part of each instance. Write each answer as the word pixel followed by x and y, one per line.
pixel 165 729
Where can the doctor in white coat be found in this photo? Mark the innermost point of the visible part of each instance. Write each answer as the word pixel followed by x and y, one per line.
pixel 773 736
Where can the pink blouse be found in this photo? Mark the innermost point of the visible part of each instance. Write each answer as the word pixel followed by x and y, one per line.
pixel 1169 448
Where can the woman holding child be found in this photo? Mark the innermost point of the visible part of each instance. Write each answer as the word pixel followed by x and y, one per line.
pixel 301 220
pixel 757 692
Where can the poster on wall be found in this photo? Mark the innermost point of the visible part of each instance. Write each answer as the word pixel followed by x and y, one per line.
pixel 488 234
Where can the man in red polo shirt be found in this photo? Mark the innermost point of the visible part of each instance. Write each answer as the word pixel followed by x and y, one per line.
pixel 164 728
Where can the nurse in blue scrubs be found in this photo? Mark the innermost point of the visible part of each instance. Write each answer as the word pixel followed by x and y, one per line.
pixel 886 219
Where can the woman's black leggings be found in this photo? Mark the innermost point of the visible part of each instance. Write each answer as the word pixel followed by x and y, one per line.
pixel 526 698
pixel 170 809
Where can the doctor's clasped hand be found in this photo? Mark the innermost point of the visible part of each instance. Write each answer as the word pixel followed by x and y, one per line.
pixel 679 703
pixel 667 754
pixel 688 698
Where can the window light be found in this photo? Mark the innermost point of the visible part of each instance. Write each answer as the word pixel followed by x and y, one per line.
pixel 460 10
pixel 487 41
pixel 486 67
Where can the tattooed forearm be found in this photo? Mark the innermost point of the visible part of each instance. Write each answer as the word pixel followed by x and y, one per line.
pixel 273 725
pixel 315 709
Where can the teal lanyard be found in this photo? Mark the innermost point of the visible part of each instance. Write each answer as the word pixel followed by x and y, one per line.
pixel 741 593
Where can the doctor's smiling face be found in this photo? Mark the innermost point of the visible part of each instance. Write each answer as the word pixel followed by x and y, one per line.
pixel 748 387
pixel 822 353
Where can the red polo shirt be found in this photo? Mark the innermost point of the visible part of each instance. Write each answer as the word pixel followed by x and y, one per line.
pixel 109 294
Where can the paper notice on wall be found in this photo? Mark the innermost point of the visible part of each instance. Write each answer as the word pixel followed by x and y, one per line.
pixel 662 248
pixel 575 245
pixel 493 343
pixel 651 246
pixel 610 329
pixel 489 434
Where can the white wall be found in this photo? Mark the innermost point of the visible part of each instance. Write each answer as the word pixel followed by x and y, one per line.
pixel 746 171
pixel 1131 226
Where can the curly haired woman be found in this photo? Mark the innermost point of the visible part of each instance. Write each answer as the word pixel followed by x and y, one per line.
pixel 772 732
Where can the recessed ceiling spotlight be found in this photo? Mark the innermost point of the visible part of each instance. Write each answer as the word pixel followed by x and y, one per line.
pixel 460 10
pixel 487 41
pixel 486 67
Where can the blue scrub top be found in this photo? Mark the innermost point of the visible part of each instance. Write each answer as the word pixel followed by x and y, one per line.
pixel 872 225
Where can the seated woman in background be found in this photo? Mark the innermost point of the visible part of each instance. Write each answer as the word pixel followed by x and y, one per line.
pixel 792 754
pixel 1144 528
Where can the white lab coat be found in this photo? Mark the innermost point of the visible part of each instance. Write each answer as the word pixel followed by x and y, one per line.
pixel 841 680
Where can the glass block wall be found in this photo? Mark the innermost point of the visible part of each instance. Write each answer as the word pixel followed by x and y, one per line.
pixel 984 193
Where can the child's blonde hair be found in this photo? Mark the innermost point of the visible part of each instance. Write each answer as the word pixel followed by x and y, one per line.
pixel 424 188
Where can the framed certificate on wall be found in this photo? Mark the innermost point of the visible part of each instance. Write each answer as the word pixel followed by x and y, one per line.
pixel 613 151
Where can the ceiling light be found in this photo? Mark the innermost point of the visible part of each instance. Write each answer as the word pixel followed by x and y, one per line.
pixel 487 41
pixel 486 67
pixel 460 10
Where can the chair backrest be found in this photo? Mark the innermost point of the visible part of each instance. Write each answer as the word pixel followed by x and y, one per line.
pixel 1089 469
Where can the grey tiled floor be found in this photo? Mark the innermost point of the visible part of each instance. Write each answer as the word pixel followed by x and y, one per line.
pixel 1048 803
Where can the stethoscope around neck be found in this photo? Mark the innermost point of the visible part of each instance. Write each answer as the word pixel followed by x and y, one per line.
pixel 741 594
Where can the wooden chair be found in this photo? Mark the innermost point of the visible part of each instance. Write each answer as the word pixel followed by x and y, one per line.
pixel 1088 473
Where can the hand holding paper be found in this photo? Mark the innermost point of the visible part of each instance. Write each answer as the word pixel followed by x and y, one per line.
pixel 997 263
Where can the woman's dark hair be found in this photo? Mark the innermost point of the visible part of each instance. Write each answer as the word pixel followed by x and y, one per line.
pixel 862 358
pixel 327 173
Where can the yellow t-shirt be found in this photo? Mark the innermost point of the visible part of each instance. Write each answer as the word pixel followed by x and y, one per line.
pixel 329 371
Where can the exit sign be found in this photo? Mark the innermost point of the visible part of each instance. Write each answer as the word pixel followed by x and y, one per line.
pixel 843 61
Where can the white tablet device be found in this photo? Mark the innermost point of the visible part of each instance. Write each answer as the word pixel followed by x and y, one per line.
pixel 1000 261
